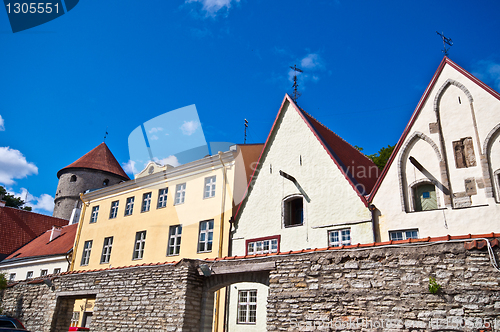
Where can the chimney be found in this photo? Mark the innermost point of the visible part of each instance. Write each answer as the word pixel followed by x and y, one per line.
pixel 55 232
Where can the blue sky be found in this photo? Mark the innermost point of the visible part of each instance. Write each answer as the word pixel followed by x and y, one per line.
pixel 117 64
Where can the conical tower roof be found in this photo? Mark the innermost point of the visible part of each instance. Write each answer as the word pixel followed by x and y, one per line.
pixel 100 159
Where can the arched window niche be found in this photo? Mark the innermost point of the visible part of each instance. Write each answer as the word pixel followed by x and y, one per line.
pixel 424 196
pixel 293 211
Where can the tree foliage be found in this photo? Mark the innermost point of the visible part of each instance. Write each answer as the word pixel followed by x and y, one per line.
pixel 382 156
pixel 3 280
pixel 12 201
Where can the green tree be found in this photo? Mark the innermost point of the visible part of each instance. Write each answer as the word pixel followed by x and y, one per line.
pixel 3 280
pixel 12 201
pixel 382 156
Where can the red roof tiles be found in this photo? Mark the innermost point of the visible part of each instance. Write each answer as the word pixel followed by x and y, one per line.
pixel 100 158
pixel 18 227
pixel 41 246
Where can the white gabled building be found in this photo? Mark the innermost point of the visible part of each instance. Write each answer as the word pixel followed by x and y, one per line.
pixel 444 174
pixel 308 191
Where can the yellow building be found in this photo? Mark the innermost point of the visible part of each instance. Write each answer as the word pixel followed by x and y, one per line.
pixel 165 214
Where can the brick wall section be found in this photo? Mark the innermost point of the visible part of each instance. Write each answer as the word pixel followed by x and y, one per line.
pixel 318 289
pixel 323 290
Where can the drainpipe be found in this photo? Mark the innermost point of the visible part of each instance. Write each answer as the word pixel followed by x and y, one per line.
pixel 221 235
pixel 373 210
pixel 78 233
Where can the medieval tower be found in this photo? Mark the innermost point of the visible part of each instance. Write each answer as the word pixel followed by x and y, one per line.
pixel 97 169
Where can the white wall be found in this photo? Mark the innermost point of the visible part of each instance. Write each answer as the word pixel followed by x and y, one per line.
pixel 262 292
pixel 21 268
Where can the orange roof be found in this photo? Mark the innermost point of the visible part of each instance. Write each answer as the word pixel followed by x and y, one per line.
pixel 41 246
pixel 18 227
pixel 101 159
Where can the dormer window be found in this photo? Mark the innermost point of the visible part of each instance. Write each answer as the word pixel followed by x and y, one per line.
pixel 293 211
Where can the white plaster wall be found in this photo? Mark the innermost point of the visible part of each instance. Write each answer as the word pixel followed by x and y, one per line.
pixel 457 123
pixel 495 164
pixel 333 200
pixel 22 268
pixel 262 292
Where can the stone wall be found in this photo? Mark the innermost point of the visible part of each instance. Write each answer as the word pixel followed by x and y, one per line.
pixel 380 287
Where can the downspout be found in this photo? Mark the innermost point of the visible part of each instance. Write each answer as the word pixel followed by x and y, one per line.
pixel 221 236
pixel 373 210
pixel 228 289
pixel 78 233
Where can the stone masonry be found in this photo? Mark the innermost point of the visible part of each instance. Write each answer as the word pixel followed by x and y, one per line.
pixel 364 289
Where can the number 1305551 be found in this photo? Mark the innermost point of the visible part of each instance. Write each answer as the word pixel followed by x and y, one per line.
pixel 32 8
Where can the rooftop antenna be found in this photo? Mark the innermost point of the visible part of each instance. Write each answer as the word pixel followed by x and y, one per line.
pixel 246 126
pixel 106 134
pixel 446 41
pixel 296 93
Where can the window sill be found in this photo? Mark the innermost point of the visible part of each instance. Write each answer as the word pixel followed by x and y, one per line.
pixel 291 226
pixel 427 210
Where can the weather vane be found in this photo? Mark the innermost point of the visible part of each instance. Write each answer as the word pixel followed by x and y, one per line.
pixel 296 93
pixel 446 41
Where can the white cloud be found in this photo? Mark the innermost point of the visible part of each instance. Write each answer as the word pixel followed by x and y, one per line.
pixel 488 71
pixel 155 130
pixel 170 160
pixel 189 127
pixel 2 124
pixel 312 61
pixel 13 165
pixel 129 167
pixel 212 7
pixel 153 137
pixel 42 204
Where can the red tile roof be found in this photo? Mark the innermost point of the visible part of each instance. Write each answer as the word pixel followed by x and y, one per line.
pixel 18 227
pixel 42 246
pixel 358 167
pixel 100 158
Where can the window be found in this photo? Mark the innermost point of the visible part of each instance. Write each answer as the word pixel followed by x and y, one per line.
pixel 140 242
pixel 339 238
pixel 12 277
pixel 146 202
pixel 209 187
pixel 105 182
pixel 247 306
pixel 129 207
pixel 114 210
pixel 206 236
pixel 57 271
pixel 106 250
pixel 464 153
pixel 29 275
pixel 87 247
pixel 403 235
pixel 43 273
pixel 293 214
pixel 180 193
pixel 75 318
pixel 263 245
pixel 73 178
pixel 424 196
pixel 95 213
pixel 162 198
pixel 174 240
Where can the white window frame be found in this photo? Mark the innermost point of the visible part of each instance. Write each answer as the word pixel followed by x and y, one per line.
pixel 209 189
pixel 29 275
pixel 57 270
pixel 87 248
pixel 342 239
pixel 113 212
pixel 286 212
pixel 205 236
pixel 106 250
pixel 174 240
pixel 95 213
pixel 139 245
pixel 247 307
pixel 129 206
pixel 162 198
pixel 180 193
pixel 12 277
pixel 146 202
pixel 404 234
pixel 265 246
pixel 44 272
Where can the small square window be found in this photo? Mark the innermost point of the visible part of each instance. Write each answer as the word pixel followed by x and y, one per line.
pixel 426 194
pixel 209 187
pixel 95 213
pixel 341 237
pixel 29 275
pixel 12 277
pixel 114 210
pixel 57 271
pixel 129 207
pixel 162 198
pixel 146 202
pixel 43 273
pixel 180 193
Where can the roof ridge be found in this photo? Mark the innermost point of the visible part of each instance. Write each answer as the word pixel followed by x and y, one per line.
pixel 343 140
